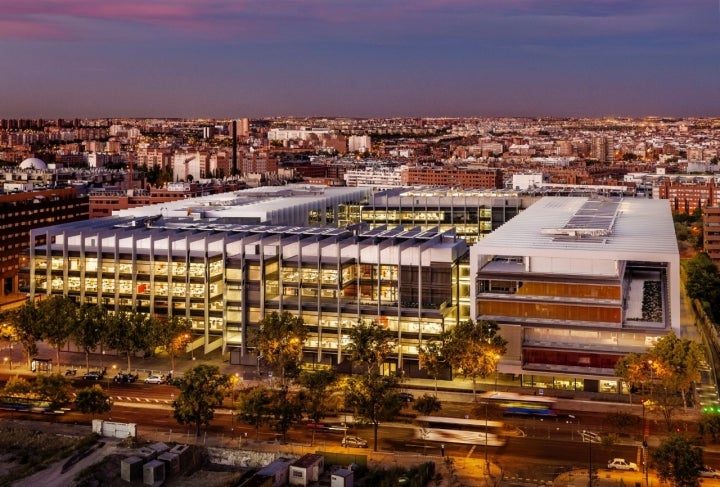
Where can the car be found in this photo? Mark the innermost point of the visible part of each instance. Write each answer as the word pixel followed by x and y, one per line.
pixel 354 441
pixel 123 377
pixel 93 375
pixel 709 472
pixel 154 379
pixel 406 397
pixel 622 464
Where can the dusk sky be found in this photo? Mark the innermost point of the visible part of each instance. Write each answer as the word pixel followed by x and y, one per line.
pixel 359 58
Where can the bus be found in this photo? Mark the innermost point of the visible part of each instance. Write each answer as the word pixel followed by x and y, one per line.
pixel 457 430
pixel 517 404
pixel 25 404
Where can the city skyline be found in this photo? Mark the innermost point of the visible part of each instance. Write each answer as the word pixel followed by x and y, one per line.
pixel 359 58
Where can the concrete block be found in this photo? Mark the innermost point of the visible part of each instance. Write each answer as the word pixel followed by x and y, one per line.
pixel 131 469
pixel 154 473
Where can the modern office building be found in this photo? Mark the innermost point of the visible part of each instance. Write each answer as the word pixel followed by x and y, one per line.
pixel 575 284
pixel 225 277
pixel 471 214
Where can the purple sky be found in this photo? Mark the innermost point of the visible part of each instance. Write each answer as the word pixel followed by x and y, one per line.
pixel 363 58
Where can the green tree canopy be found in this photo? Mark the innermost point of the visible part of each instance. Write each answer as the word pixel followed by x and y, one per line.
pixel 58 319
pixel 27 322
pixel 253 407
pixel 369 345
pixel 54 388
pixel 474 349
pixel 173 335
pixel 372 398
pixel 92 400
pixel 279 341
pixel 427 405
pixel 130 332
pixel 433 357
pixel 90 329
pixel 17 386
pixel 316 394
pixel 678 461
pixel 202 389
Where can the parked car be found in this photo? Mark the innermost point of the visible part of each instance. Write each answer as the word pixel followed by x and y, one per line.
pixel 123 377
pixel 709 472
pixel 622 464
pixel 354 441
pixel 155 379
pixel 93 375
pixel 406 396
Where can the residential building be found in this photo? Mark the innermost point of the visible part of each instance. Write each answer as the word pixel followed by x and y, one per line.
pixel 711 232
pixel 452 176
pixel 22 212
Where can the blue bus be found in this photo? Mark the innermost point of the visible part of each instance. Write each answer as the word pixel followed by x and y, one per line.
pixel 521 405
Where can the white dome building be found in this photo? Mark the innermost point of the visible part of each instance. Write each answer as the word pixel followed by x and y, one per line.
pixel 33 163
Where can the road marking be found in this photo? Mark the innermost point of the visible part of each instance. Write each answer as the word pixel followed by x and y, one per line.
pixel 471 451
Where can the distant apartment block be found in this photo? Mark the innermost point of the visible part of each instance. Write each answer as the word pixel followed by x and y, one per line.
pixel 374 177
pixel 359 143
pixel 103 202
pixel 711 233
pixel 453 176
pixel 575 284
pixel 22 212
pixel 686 195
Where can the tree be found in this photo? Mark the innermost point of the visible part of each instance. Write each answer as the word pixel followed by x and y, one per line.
pixel 173 335
pixel 709 424
pixel 316 393
pixel 253 407
pixel 279 341
pixel 432 357
pixel 58 319
pixel 202 389
pixel 89 331
pixel 666 372
pixel 17 386
pixel 285 408
pixel 93 400
pixel 679 461
pixel 131 332
pixel 633 370
pixel 370 345
pixel 677 363
pixel 27 323
pixel 426 405
pixel 372 399
pixel 54 388
pixel 474 349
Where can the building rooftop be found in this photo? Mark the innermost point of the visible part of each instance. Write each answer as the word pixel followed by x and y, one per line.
pixel 260 205
pixel 587 225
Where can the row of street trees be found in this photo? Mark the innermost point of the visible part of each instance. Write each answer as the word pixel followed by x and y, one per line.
pixel 59 320
pixel 664 375
pixel 370 393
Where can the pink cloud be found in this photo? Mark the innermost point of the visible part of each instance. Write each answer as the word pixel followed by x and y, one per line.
pixel 288 19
